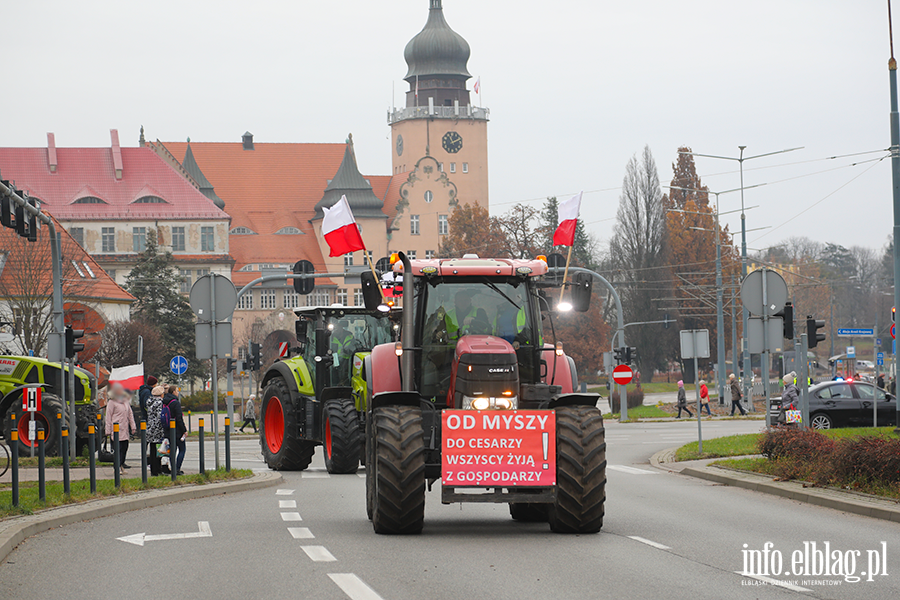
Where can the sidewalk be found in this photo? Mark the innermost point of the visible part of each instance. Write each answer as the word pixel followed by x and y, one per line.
pixel 844 500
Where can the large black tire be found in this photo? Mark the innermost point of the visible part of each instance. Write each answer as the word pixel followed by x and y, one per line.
pixel 340 438
pixel 50 406
pixel 528 513
pixel 370 466
pixel 399 463
pixel 580 471
pixel 279 433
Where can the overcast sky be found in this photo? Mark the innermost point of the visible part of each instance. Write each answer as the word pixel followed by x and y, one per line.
pixel 575 88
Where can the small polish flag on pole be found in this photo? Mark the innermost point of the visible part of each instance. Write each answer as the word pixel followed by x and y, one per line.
pixel 477 86
pixel 567 213
pixel 340 230
pixel 131 377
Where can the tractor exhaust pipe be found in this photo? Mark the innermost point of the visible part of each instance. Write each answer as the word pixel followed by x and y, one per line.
pixel 407 324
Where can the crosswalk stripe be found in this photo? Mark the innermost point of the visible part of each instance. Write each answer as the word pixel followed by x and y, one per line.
pixel 631 470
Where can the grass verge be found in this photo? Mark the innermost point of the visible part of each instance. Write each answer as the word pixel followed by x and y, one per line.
pixel 640 412
pixel 81 490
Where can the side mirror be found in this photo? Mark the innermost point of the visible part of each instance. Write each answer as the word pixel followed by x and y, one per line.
pixel 370 291
pixel 581 292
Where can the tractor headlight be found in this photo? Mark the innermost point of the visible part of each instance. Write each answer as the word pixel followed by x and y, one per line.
pixel 485 403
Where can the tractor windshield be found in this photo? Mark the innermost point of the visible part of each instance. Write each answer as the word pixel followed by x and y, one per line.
pixel 350 334
pixel 456 306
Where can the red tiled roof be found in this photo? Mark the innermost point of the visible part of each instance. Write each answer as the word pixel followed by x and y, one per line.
pixel 91 172
pixel 16 280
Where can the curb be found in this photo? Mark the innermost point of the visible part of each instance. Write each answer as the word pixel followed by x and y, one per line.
pixel 873 507
pixel 17 529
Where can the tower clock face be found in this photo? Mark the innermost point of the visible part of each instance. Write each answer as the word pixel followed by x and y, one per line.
pixel 452 142
pixel 399 145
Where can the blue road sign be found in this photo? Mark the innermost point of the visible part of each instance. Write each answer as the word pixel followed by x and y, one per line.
pixel 880 362
pixel 178 365
pixel 878 342
pixel 856 332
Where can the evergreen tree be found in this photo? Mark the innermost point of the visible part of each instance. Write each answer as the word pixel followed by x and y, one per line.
pixel 153 281
pixel 582 251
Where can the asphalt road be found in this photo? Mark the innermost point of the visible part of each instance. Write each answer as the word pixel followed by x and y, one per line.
pixel 664 536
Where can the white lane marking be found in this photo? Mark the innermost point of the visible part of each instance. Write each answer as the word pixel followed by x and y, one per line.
pixel 287 504
pixel 354 587
pixel 300 533
pixel 138 539
pixel 284 492
pixel 784 584
pixel 315 475
pixel 649 542
pixel 318 553
pixel 630 470
pixel 290 516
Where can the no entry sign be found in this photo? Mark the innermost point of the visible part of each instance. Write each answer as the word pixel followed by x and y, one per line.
pixel 495 448
pixel 623 374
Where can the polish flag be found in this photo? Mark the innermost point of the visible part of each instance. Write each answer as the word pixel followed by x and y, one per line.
pixel 477 86
pixel 567 212
pixel 340 230
pixel 131 377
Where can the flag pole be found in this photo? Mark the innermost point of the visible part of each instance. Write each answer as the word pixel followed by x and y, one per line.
pixel 377 281
pixel 562 289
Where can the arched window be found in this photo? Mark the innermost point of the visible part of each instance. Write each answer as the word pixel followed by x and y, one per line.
pixel 150 200
pixel 89 200
pixel 242 231
pixel 288 231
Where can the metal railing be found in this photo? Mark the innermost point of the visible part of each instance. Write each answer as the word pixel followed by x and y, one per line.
pixel 439 112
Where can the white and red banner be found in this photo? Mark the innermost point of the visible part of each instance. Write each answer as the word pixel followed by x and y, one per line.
pixel 567 212
pixel 131 377
pixel 477 87
pixel 498 448
pixel 339 229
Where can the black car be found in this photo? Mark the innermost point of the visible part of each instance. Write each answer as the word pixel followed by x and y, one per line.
pixel 846 404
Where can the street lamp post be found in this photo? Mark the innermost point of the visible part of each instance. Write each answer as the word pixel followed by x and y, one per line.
pixel 748 373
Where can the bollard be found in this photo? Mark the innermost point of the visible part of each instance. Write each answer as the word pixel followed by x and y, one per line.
pixel 42 478
pixel 92 446
pixel 144 451
pixel 64 438
pixel 15 465
pixel 59 428
pixel 200 432
pixel 118 475
pixel 189 422
pixel 172 450
pixel 227 445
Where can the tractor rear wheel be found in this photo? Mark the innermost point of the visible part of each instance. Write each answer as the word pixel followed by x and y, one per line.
pixel 340 438
pixel 370 466
pixel 45 418
pixel 528 513
pixel 399 464
pixel 279 435
pixel 580 471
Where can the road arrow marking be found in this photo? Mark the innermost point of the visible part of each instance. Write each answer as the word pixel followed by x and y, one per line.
pixel 138 539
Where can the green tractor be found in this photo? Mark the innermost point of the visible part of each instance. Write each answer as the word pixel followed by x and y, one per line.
pixel 19 372
pixel 319 396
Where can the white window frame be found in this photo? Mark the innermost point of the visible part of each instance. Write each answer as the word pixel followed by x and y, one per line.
pixel 465 167
pixel 414 224
pixel 443 224
pixel 246 301
pixel 267 299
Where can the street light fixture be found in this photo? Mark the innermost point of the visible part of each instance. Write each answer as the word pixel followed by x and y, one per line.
pixel 746 315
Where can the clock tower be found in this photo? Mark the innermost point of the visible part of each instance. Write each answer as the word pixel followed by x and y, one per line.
pixel 439 140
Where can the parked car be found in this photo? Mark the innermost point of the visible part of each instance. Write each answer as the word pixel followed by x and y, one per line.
pixel 846 404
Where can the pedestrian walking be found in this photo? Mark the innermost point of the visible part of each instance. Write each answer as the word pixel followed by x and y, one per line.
pixel 155 432
pixel 144 395
pixel 118 410
pixel 790 397
pixel 736 395
pixel 249 414
pixel 704 397
pixel 682 401
pixel 170 400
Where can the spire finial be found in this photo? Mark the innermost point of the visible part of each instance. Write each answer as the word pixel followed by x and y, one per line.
pixel 141 141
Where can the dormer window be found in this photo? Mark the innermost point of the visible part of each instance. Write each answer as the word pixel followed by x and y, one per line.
pixel 150 200
pixel 89 200
pixel 288 231
pixel 242 231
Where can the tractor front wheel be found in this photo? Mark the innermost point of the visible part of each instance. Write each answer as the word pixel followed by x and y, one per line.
pixel 340 438
pixel 399 470
pixel 279 435
pixel 580 471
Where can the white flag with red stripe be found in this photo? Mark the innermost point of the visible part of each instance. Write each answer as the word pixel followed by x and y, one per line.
pixel 340 230
pixel 131 377
pixel 567 212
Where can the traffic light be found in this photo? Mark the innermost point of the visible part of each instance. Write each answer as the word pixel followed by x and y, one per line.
pixel 6 209
pixel 619 355
pixel 630 354
pixel 33 222
pixel 787 313
pixel 230 364
pixel 304 286
pixel 812 336
pixel 72 347
pixel 253 357
pixel 893 314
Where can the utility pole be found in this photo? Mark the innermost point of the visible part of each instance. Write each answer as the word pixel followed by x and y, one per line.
pixel 895 175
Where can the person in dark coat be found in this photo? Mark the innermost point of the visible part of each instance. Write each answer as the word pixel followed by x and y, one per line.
pixel 682 400
pixel 176 414
pixel 155 433
pixel 736 395
pixel 881 380
pixel 144 395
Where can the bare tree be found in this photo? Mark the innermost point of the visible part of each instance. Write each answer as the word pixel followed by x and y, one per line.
pixel 637 255
pixel 518 224
pixel 120 342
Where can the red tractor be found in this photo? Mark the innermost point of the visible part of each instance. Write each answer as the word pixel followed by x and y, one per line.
pixel 472 395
